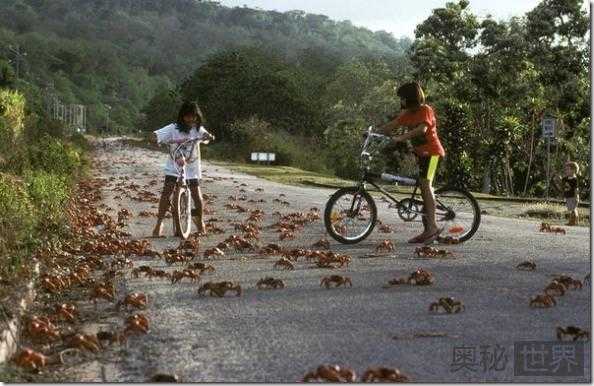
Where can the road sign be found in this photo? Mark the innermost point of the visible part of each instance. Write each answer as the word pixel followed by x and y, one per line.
pixel 263 157
pixel 548 128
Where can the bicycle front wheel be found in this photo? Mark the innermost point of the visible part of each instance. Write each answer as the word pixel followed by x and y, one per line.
pixel 350 215
pixel 182 212
pixel 458 212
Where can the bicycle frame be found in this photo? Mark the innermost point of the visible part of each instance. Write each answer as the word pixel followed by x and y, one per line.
pixel 367 177
pixel 178 153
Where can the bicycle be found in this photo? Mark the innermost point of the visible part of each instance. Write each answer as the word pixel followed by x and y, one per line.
pixel 181 199
pixel 457 211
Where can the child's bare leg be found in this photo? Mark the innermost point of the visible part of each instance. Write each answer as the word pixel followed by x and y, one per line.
pixel 164 204
pixel 574 215
pixel 572 208
pixel 429 204
pixel 198 201
pixel 429 225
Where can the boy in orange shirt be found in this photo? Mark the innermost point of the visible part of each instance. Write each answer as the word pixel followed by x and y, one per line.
pixel 419 118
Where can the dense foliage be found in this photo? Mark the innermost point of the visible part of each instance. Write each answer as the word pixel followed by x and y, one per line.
pixel 38 165
pixel 122 52
pixel 508 75
pixel 301 84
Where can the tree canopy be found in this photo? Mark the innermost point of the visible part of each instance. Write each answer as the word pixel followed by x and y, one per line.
pixel 308 84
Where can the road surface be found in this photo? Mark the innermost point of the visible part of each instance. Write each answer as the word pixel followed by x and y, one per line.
pixel 279 335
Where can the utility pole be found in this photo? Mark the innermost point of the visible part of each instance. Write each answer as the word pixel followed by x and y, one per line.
pixel 18 56
pixel 108 107
pixel 548 165
pixel 548 132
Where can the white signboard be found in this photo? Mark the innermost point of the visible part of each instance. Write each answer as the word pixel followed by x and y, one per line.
pixel 548 128
pixel 263 157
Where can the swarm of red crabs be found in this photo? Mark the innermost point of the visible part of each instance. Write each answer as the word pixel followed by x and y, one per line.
pixel 340 374
pixel 104 258
pixel 91 263
pixel 419 277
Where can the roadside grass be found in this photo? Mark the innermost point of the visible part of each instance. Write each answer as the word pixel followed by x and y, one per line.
pixel 544 210
pixel 34 193
pixel 492 205
pixel 549 210
pixel 284 174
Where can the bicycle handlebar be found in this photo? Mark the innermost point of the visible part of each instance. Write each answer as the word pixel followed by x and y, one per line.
pixel 369 134
pixel 196 139
pixel 176 153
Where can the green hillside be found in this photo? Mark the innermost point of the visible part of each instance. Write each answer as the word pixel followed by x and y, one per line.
pixel 120 52
pixel 303 86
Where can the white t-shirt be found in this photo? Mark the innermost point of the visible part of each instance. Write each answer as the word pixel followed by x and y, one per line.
pixel 170 133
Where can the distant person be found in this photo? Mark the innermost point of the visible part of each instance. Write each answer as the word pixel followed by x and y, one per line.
pixel 570 191
pixel 189 125
pixel 419 119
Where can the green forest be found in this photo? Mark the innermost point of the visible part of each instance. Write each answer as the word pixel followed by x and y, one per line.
pixel 304 86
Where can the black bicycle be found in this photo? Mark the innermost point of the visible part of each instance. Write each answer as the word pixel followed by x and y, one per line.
pixel 351 213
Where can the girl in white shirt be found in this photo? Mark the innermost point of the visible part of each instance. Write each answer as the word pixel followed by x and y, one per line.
pixel 188 125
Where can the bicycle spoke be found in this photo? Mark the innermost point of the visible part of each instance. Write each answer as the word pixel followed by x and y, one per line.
pixel 462 210
pixel 185 212
pixel 351 216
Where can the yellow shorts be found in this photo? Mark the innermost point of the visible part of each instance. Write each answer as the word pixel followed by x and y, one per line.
pixel 428 166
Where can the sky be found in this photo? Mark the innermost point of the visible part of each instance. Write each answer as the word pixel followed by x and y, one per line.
pixel 399 17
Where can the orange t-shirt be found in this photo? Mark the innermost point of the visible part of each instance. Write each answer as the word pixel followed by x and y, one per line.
pixel 428 144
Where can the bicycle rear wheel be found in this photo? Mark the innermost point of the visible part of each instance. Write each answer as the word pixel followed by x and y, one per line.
pixel 182 212
pixel 350 215
pixel 458 212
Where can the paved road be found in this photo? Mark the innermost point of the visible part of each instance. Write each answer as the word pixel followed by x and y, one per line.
pixel 279 335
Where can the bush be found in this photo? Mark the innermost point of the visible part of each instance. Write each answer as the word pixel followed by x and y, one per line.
pixel 37 127
pixel 7 74
pixel 54 156
pixel 12 115
pixel 343 141
pixel 48 194
pixel 255 135
pixel 32 207
pixel 16 162
pixel 17 220
pixel 80 142
pixel 455 133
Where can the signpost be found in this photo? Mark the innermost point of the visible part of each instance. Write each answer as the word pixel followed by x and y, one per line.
pixel 548 133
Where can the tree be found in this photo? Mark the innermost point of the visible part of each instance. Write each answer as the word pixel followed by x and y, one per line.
pixel 239 84
pixel 7 74
pixel 456 135
pixel 102 48
pixel 160 111
pixel 556 32
pixel 440 51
